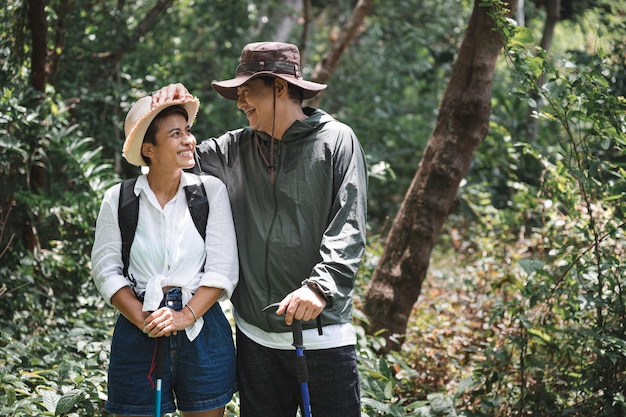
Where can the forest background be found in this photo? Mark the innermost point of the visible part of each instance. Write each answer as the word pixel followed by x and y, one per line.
pixel 522 304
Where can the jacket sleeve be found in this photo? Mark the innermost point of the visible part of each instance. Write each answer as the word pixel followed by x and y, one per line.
pixel 213 156
pixel 343 242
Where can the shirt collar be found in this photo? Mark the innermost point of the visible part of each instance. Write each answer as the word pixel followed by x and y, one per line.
pixel 185 180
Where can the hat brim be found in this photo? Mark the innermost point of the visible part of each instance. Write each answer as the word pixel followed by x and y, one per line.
pixel 228 88
pixel 132 145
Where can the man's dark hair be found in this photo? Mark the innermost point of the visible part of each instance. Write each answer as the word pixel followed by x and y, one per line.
pixel 150 136
pixel 294 92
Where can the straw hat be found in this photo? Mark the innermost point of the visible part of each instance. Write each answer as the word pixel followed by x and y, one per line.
pixel 276 59
pixel 139 118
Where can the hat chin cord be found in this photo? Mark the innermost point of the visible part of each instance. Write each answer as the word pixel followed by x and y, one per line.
pixel 270 163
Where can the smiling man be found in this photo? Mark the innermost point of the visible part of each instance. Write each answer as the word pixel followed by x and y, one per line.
pixel 297 182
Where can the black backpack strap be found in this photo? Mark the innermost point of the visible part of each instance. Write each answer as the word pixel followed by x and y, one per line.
pixel 198 206
pixel 128 215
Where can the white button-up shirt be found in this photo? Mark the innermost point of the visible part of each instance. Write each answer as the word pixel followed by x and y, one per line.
pixel 167 249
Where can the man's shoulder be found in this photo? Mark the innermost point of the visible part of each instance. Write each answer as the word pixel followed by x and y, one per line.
pixel 225 139
pixel 325 119
pixel 234 135
pixel 337 128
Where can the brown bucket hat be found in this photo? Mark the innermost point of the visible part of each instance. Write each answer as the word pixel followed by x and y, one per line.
pixel 275 59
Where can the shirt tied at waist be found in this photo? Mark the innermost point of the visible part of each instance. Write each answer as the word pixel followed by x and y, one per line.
pixel 154 295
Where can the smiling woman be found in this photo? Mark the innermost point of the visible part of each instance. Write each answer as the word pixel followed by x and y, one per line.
pixel 170 290
pixel 168 143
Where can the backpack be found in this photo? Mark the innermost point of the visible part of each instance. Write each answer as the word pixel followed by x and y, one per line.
pixel 128 214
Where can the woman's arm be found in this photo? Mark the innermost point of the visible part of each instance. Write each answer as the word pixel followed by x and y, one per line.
pixel 130 306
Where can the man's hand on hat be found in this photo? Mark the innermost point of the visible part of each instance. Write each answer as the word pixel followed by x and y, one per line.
pixel 170 92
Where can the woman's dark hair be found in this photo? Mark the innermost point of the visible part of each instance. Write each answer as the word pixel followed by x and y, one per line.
pixel 150 136
pixel 294 92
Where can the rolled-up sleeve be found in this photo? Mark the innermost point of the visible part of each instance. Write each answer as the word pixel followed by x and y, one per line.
pixel 106 254
pixel 221 269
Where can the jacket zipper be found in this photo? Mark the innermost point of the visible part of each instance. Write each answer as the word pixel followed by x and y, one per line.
pixel 268 279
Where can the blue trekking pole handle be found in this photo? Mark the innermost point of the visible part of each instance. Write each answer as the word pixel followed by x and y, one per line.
pixel 159 372
pixel 302 372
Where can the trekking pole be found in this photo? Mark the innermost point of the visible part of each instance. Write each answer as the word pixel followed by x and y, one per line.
pixel 159 372
pixel 302 373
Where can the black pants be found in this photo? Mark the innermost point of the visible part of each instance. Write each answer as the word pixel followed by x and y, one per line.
pixel 268 385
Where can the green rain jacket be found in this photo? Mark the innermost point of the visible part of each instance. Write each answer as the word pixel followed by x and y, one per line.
pixel 308 224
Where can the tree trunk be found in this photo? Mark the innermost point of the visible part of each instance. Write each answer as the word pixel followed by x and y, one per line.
pixel 38 26
pixel 329 61
pixel 462 124
pixel 62 12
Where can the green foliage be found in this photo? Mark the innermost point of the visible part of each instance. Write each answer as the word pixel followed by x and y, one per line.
pixel 61 213
pixel 57 370
pixel 561 297
pixel 533 319
pixel 378 382
pixel 390 386
pixel 385 381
